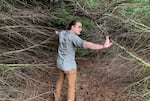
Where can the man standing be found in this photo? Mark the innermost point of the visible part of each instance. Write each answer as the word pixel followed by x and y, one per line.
pixel 66 64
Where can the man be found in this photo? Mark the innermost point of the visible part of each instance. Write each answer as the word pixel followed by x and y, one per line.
pixel 66 64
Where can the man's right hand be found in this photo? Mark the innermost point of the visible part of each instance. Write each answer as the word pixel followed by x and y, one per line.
pixel 107 42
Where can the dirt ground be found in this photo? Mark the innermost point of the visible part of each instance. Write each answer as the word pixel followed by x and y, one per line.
pixel 98 80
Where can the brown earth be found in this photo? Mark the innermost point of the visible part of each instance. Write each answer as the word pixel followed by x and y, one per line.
pixel 98 80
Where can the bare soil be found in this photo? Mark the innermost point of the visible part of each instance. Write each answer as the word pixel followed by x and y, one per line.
pixel 98 80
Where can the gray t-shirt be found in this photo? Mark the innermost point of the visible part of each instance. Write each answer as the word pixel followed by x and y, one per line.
pixel 68 42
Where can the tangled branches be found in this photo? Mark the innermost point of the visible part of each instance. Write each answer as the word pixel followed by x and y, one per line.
pixel 27 39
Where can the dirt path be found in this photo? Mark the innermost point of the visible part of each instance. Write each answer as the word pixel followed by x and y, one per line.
pixel 98 80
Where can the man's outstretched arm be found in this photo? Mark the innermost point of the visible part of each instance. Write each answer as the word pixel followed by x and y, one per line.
pixel 93 46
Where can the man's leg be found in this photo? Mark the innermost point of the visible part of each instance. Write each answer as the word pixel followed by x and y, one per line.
pixel 59 84
pixel 71 77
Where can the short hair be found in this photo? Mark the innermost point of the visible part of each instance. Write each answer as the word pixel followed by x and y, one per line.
pixel 73 22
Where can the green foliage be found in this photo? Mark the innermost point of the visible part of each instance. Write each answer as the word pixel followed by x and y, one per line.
pixel 148 99
pixel 58 22
pixel 63 17
pixel 134 11
pixel 138 11
pixel 91 2
pixel 139 1
pixel 83 52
